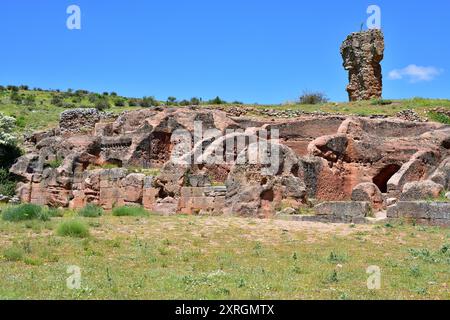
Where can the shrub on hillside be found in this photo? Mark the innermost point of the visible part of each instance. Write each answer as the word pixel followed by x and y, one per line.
pixel 7 125
pixel 91 211
pixel 148 102
pixel 313 98
pixel 72 228
pixel 56 100
pixel 15 97
pixel 217 100
pixel 7 184
pixel 24 212
pixel 195 101
pixel 129 211
pixel 133 102
pixel 8 154
pixel 102 104
pixel 119 102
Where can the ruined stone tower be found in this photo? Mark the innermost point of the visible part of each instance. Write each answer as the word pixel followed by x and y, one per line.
pixel 362 53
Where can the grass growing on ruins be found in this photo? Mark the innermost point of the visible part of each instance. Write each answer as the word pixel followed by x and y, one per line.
pixel 190 257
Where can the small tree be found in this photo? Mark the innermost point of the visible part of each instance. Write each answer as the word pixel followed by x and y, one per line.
pixel 217 100
pixel 313 98
pixel 102 104
pixel 171 101
pixel 119 102
pixel 195 101
pixel 148 102
pixel 133 102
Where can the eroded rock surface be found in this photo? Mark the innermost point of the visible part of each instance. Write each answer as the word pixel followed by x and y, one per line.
pixel 143 158
pixel 362 53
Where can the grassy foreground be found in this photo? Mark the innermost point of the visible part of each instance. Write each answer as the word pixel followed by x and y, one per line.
pixel 188 257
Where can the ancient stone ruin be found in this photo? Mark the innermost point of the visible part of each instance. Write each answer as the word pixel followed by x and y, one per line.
pixel 346 167
pixel 362 53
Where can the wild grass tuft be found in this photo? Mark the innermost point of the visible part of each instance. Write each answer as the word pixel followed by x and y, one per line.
pixel 72 228
pixel 25 212
pixel 91 211
pixel 130 211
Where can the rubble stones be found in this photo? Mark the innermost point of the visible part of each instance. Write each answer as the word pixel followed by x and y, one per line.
pixel 421 190
pixel 421 212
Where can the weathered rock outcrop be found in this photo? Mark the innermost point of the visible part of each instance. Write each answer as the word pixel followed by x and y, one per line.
pixel 179 160
pixel 362 53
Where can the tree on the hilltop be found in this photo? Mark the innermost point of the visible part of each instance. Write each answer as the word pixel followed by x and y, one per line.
pixel 171 100
pixel 148 102
pixel 102 104
pixel 195 101
pixel 217 100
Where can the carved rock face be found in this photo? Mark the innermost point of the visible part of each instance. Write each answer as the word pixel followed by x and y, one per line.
pixel 362 53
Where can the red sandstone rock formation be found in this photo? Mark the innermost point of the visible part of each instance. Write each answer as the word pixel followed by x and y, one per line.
pixel 322 158
pixel 362 53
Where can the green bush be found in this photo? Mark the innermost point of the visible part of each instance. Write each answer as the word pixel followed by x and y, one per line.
pixel 380 102
pixel 102 104
pixel 7 184
pixel 24 212
pixel 313 98
pixel 217 100
pixel 148 102
pixel 133 102
pixel 129 211
pixel 119 102
pixel 439 117
pixel 13 254
pixel 73 228
pixel 195 101
pixel 91 211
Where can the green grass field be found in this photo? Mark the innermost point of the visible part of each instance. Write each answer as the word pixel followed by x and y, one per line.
pixel 189 257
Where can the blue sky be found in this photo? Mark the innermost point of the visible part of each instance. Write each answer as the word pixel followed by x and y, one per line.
pixel 248 50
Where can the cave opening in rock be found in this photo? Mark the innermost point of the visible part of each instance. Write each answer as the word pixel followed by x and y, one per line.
pixel 382 178
pixel 267 195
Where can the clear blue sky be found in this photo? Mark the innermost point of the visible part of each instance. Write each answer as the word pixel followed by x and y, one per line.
pixel 248 50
